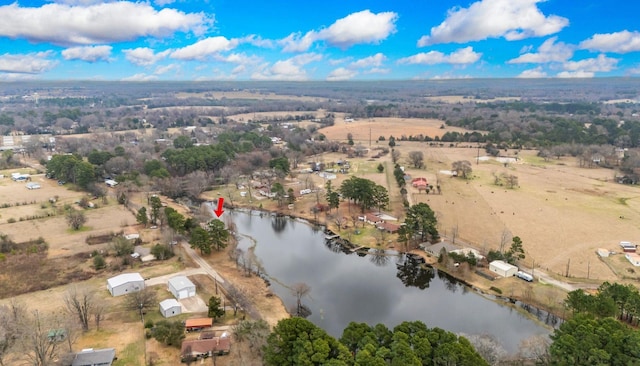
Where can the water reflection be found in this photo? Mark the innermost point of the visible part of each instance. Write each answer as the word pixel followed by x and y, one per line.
pixel 349 288
pixel 279 223
pixel 413 272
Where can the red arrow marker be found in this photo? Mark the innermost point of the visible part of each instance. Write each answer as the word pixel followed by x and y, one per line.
pixel 219 210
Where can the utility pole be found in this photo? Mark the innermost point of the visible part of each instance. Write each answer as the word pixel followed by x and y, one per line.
pixel 568 263
pixel 588 268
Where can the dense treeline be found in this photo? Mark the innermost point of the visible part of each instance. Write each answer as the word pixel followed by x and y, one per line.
pixel 297 341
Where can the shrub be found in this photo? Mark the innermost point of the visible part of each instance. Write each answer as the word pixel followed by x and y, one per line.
pixel 99 262
pixel 496 290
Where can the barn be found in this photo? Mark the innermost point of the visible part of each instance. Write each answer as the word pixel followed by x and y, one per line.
pixel 181 287
pixel 502 268
pixel 170 307
pixel 125 283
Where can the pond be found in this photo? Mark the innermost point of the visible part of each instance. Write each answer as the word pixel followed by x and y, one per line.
pixel 377 287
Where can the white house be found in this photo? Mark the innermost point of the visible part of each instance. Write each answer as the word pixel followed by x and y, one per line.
pixel 181 287
pixel 125 283
pixel 111 182
pixel 633 259
pixel 33 185
pixel 502 268
pixel 170 307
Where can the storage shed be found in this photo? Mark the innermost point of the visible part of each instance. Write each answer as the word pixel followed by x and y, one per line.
pixel 502 268
pixel 170 307
pixel 125 283
pixel 181 287
pixel 197 324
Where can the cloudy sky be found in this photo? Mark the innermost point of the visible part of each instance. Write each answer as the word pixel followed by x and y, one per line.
pixel 328 40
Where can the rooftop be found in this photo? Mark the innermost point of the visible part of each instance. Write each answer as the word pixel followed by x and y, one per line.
pixel 123 278
pixel 90 357
pixel 180 282
pixel 169 303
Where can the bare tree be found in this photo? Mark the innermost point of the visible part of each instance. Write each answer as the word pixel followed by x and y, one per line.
pixel 511 180
pixel 462 168
pixel 11 316
pixel 536 348
pixel 36 342
pixel 196 183
pixel 80 304
pixel 98 314
pixel 488 347
pixel 416 158
pixel 75 219
pixel 505 238
pixel 300 290
pixel 141 300
pixel 395 155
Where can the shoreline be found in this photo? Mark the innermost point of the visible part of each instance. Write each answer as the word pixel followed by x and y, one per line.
pixel 535 310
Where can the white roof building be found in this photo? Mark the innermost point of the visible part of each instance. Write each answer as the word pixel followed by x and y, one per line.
pixel 502 268
pixel 125 283
pixel 181 287
pixel 170 307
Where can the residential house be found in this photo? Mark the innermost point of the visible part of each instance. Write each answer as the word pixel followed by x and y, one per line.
pixel 94 357
pixel 388 227
pixel 633 258
pixel 181 287
pixel 125 283
pixel 170 307
pixel 203 348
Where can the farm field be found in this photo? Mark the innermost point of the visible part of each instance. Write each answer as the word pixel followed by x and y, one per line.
pixel 561 211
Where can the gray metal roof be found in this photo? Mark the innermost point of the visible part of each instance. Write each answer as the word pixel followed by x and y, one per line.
pixel 91 357
pixel 180 283
pixel 124 278
pixel 169 303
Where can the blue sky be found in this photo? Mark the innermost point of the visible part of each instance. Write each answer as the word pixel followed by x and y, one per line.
pixel 328 40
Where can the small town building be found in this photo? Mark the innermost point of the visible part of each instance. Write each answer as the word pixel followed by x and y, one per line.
pixel 628 247
pixel 388 227
pixel 633 258
pixel 181 287
pixel 33 185
pixel 196 324
pixel 170 307
pixel 111 182
pixel 203 348
pixel 436 248
pixel 94 357
pixel 125 283
pixel 503 268
pixel 602 252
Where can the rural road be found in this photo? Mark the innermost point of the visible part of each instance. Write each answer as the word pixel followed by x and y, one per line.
pixel 202 263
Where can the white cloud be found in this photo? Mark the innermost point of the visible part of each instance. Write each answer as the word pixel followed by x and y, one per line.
pixel 341 73
pixel 257 41
pixel 140 77
pixel 371 61
pixel 461 56
pixel 533 74
pixel 30 63
pixel 95 23
pixel 618 42
pixel 160 70
pixel 549 51
pixel 334 62
pixel 575 74
pixel 88 53
pixel 601 63
pixel 511 19
pixel 290 69
pixel 203 49
pixel 143 56
pixel 363 27
pixel 448 76
pixel 164 2
pixel 239 69
pixel 377 70
pixel 239 58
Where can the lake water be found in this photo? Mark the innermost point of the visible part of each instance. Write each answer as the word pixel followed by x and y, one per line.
pixel 368 288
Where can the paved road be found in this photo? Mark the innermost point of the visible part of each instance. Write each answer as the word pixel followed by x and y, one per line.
pixel 162 280
pixel 202 263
